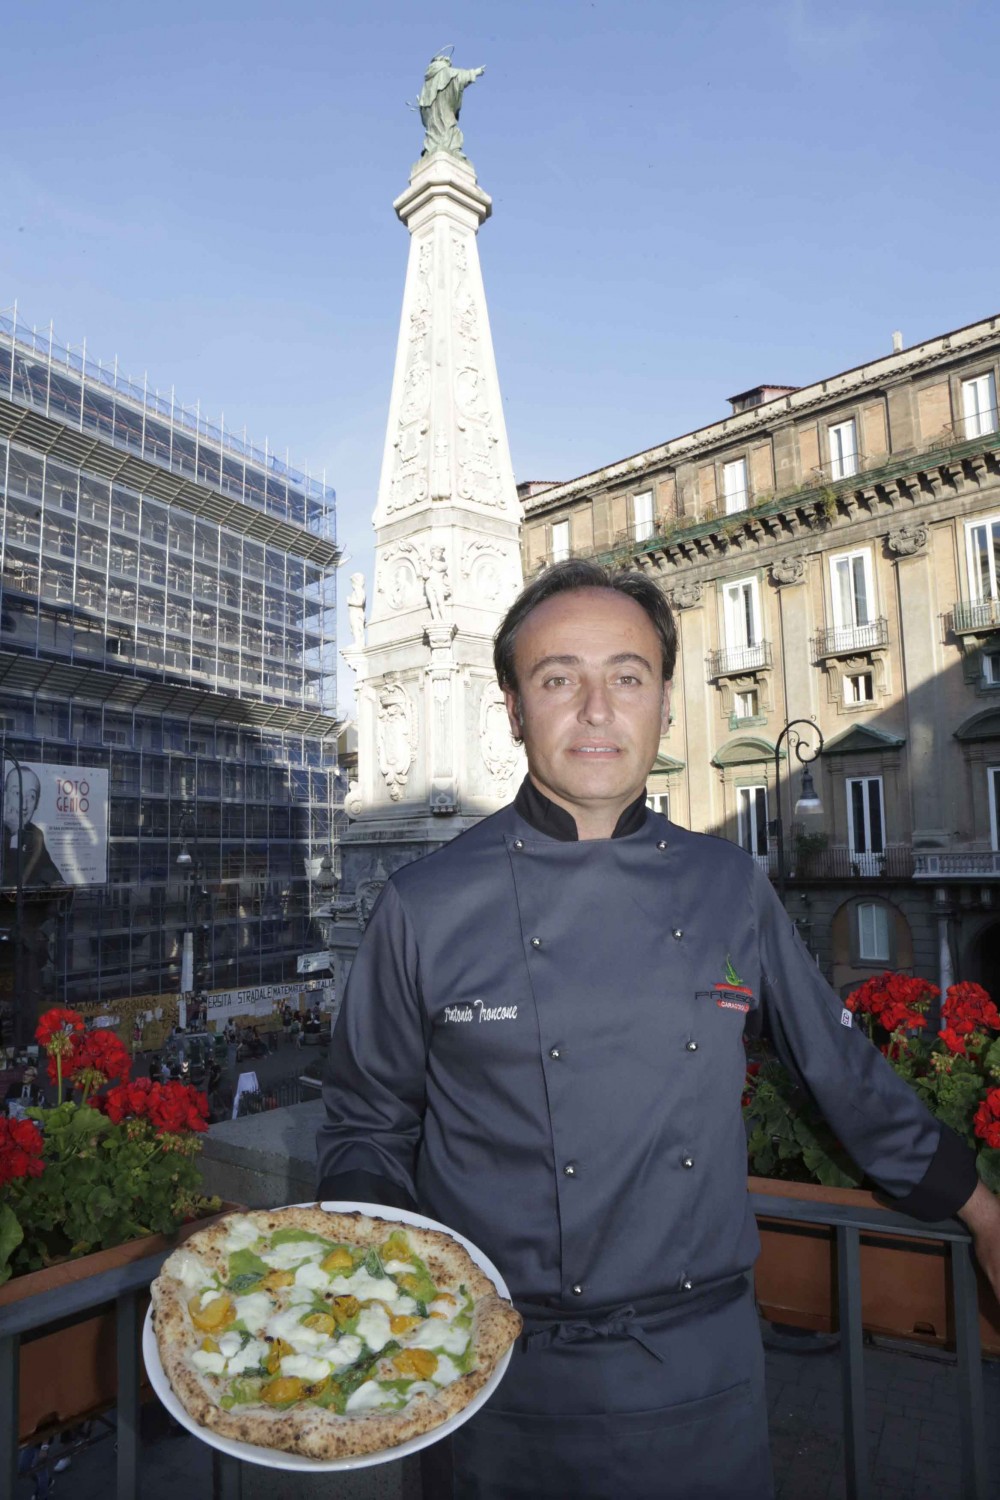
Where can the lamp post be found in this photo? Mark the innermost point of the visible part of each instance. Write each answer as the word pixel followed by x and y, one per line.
pixel 808 800
pixel 22 1021
pixel 187 827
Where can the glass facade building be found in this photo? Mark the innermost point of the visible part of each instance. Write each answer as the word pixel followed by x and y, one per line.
pixel 167 611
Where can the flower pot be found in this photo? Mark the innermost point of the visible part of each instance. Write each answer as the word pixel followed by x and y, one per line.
pixel 71 1373
pixel 905 1283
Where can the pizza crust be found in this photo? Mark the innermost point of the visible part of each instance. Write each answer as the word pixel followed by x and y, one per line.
pixel 314 1431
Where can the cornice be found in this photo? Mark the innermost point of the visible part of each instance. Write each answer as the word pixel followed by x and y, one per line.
pixel 770 414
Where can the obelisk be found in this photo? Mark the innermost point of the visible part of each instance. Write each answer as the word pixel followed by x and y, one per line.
pixel 434 749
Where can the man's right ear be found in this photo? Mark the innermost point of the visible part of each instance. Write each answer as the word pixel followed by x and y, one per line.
pixel 512 701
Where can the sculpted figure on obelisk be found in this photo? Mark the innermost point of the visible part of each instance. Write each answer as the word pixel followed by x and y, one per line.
pixel 440 103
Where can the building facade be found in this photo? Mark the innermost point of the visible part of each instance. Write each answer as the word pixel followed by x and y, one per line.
pixel 833 555
pixel 167 614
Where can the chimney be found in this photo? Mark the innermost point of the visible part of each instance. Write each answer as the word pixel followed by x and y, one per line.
pixel 897 342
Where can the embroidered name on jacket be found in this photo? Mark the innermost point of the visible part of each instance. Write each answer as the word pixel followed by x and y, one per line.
pixel 731 993
pixel 479 1010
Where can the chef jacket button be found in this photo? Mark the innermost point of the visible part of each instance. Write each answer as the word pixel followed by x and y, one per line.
pixel 576 1289
pixel 662 844
pixel 687 1161
pixel 677 934
pixel 569 1170
pixel 691 1046
pixel 686 1284
pixel 536 942
pixel 519 844
pixel 555 1054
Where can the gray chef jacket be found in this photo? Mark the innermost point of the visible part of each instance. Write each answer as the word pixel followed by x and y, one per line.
pixel 541 1044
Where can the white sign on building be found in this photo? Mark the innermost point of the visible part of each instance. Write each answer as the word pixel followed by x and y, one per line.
pixel 59 815
pixel 264 999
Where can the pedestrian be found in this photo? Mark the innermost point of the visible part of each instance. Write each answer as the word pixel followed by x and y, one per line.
pixel 541 1045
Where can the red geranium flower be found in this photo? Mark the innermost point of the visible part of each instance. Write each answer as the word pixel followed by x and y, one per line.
pixel 97 1052
pixel 967 1007
pixel 21 1146
pixel 953 1041
pixel 894 1000
pixel 987 1121
pixel 58 1022
pixel 169 1107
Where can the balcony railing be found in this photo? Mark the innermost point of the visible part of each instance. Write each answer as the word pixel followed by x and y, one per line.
pixel 731 661
pixel 126 1286
pixel 972 616
pixel 839 862
pixel 958 864
pixel 845 640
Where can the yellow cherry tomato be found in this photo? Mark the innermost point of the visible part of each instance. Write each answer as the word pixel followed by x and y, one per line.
pixel 419 1362
pixel 337 1260
pixel 401 1323
pixel 214 1316
pixel 285 1388
pixel 276 1279
pixel 345 1308
pixel 275 1354
pixel 321 1322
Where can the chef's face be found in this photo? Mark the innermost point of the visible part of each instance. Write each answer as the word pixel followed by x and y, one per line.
pixel 590 703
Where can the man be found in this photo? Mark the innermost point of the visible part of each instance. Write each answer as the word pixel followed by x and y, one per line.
pixel 590 1137
pixel 37 865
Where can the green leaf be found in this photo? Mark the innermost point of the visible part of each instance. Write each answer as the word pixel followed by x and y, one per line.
pixel 246 1263
pixel 373 1264
pixel 11 1235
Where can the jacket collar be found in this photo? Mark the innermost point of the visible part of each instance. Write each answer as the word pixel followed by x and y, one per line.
pixel 547 817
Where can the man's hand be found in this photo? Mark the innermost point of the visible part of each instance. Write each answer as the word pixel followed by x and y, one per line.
pixel 982 1215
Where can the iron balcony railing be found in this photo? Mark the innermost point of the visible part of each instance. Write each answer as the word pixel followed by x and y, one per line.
pixel 973 615
pixel 839 862
pixel 845 640
pixel 126 1286
pixel 730 661
pixel 961 864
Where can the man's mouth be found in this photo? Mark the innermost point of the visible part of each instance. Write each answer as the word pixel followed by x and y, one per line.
pixel 595 749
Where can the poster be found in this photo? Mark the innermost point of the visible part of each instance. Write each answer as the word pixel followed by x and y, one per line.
pixel 62 825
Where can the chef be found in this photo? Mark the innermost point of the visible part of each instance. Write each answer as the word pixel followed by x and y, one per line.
pixel 541 1045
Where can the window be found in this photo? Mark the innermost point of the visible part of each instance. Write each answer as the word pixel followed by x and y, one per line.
pixel 853 594
pixel 843 450
pixel 991 668
pixel 741 602
pixel 746 704
pixel 983 544
pixel 560 541
pixel 979 405
pixel 642 515
pixel 866 824
pixel 873 932
pixel 734 485
pixel 993 774
pixel 858 687
pixel 751 811
pixel 659 802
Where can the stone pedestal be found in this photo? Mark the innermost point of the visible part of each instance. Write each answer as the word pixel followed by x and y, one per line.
pixel 434 749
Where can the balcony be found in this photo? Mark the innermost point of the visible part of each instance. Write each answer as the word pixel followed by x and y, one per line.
pixel 849 640
pixel 840 862
pixel 734 661
pixel 974 617
pixel 958 864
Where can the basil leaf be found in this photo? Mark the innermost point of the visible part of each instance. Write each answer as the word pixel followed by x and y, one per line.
pixel 243 1282
pixel 373 1264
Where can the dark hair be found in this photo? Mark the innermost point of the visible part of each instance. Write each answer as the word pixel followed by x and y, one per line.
pixel 566 577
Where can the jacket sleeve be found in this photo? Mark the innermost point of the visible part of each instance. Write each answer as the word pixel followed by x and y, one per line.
pixel 374 1085
pixel 920 1163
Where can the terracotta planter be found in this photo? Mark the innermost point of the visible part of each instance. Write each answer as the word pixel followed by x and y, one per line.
pixel 905 1283
pixel 72 1373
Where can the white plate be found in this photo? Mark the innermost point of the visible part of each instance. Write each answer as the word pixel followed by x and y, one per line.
pixel 273 1458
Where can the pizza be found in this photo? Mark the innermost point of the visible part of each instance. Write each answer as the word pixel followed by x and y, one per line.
pixel 326 1334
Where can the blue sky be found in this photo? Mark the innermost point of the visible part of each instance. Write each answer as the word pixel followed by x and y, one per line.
pixel 688 200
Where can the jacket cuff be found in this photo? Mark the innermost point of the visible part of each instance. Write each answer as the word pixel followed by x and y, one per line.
pixel 364 1187
pixel 946 1186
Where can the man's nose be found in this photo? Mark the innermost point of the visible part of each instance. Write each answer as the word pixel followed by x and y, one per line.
pixel 596 707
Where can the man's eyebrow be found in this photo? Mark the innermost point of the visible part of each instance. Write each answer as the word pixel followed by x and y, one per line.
pixel 619 659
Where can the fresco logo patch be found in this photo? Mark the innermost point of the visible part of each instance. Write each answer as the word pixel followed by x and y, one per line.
pixel 731 993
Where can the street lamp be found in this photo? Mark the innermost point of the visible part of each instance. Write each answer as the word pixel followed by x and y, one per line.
pixel 809 800
pixel 22 1021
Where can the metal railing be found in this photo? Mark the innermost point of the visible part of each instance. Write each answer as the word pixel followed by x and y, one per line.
pixel 975 614
pixel 962 864
pixel 126 1286
pixel 848 1224
pixel 734 659
pixel 843 640
pixel 272 1096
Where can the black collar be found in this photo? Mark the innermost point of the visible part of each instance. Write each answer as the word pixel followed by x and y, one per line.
pixel 556 823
